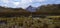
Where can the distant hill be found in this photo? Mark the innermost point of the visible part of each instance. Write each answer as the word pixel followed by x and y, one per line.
pixel 49 9
pixel 31 9
pixel 3 9
pixel 13 11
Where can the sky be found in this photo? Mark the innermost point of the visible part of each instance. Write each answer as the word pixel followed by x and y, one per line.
pixel 26 3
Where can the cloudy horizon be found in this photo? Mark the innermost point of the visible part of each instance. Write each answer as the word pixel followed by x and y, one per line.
pixel 26 3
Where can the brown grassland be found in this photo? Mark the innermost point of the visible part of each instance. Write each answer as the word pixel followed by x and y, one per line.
pixel 29 22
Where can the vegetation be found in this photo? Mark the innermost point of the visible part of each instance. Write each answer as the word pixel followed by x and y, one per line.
pixel 28 22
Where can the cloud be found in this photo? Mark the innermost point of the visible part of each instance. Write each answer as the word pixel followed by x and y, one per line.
pixel 5 1
pixel 39 0
pixel 26 3
pixel 21 3
pixel 16 3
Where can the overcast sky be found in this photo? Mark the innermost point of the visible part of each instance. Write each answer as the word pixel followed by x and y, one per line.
pixel 26 3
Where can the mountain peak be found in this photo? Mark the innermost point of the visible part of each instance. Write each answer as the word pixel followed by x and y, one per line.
pixel 31 9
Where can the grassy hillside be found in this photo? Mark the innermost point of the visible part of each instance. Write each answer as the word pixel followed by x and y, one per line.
pixel 49 9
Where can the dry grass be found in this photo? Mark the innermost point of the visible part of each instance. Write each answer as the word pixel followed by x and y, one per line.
pixel 29 22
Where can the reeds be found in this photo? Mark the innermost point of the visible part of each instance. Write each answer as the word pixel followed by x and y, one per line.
pixel 29 22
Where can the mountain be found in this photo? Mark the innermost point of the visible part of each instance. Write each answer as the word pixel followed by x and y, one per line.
pixel 31 9
pixel 50 9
